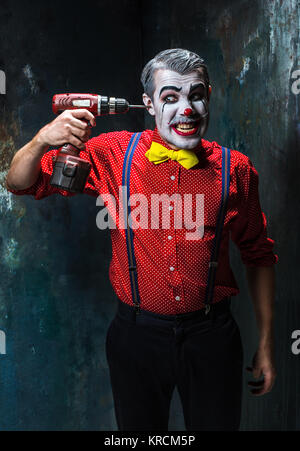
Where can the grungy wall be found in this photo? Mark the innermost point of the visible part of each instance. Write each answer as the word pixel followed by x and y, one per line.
pixel 55 297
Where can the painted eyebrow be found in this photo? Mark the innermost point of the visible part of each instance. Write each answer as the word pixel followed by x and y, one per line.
pixel 198 85
pixel 165 88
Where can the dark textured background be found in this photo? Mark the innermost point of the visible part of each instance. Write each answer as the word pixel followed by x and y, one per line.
pixel 55 296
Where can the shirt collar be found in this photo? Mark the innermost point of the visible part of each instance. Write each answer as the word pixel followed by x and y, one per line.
pixel 204 148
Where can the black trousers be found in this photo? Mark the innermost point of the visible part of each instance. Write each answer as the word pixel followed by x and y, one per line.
pixel 149 354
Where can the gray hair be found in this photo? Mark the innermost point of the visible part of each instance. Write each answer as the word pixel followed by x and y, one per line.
pixel 179 60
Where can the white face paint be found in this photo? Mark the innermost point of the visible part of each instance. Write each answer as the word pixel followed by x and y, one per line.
pixel 173 94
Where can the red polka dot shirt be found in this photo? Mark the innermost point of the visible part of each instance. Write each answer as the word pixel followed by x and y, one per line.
pixel 171 269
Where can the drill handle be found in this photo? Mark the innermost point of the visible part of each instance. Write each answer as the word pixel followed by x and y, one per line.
pixel 69 149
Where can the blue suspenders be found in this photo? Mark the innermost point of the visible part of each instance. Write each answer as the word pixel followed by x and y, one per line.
pixel 213 263
pixel 128 230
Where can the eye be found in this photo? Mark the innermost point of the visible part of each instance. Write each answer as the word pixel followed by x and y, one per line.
pixel 196 96
pixel 170 99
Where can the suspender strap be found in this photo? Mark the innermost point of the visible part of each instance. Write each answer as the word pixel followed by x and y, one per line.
pixel 213 264
pixel 126 208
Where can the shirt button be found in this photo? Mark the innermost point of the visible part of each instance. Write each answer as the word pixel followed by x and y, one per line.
pixel 169 237
pixel 171 207
pixel 171 268
pixel 177 298
pixel 172 177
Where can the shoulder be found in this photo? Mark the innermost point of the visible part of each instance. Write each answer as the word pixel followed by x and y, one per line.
pixel 237 158
pixel 240 163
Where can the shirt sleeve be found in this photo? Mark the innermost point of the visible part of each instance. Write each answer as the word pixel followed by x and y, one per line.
pixel 95 153
pixel 249 229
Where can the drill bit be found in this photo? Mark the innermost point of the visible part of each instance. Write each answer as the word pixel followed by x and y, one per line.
pixel 137 106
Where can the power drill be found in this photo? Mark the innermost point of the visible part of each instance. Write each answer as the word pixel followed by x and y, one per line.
pixel 70 172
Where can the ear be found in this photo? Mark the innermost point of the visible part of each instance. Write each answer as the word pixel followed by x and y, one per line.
pixel 148 102
pixel 209 91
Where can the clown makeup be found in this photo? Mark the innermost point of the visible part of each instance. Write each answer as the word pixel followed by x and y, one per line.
pixel 180 107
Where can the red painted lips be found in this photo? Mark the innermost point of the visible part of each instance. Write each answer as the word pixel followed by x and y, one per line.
pixel 188 132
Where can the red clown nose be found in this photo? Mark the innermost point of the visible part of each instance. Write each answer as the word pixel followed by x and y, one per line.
pixel 188 111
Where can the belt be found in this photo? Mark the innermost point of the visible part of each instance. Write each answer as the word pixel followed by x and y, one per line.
pixel 128 312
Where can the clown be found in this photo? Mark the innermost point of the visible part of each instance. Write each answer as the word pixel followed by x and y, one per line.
pixel 173 326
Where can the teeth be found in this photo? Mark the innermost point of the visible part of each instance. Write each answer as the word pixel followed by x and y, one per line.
pixel 185 126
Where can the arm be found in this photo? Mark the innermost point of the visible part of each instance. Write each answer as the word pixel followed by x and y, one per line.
pixel 67 127
pixel 261 282
pixel 249 232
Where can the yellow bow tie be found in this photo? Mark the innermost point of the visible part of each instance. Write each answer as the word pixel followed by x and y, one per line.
pixel 158 153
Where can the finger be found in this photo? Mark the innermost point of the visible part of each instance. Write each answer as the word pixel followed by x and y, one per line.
pixel 79 124
pixel 79 133
pixel 76 142
pixel 257 373
pixel 82 135
pixel 84 114
pixel 88 133
pixel 256 384
pixel 86 136
pixel 267 385
pixel 257 392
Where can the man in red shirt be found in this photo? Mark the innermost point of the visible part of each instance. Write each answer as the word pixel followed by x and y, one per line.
pixel 165 332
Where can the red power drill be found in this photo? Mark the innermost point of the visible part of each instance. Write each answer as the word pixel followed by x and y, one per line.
pixel 70 172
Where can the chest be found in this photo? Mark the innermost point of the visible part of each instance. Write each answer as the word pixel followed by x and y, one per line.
pixel 187 190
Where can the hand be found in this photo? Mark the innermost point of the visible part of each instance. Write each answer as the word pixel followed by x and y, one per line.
pixel 69 127
pixel 262 366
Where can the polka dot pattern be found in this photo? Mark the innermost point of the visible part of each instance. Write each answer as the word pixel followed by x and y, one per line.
pixel 172 270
